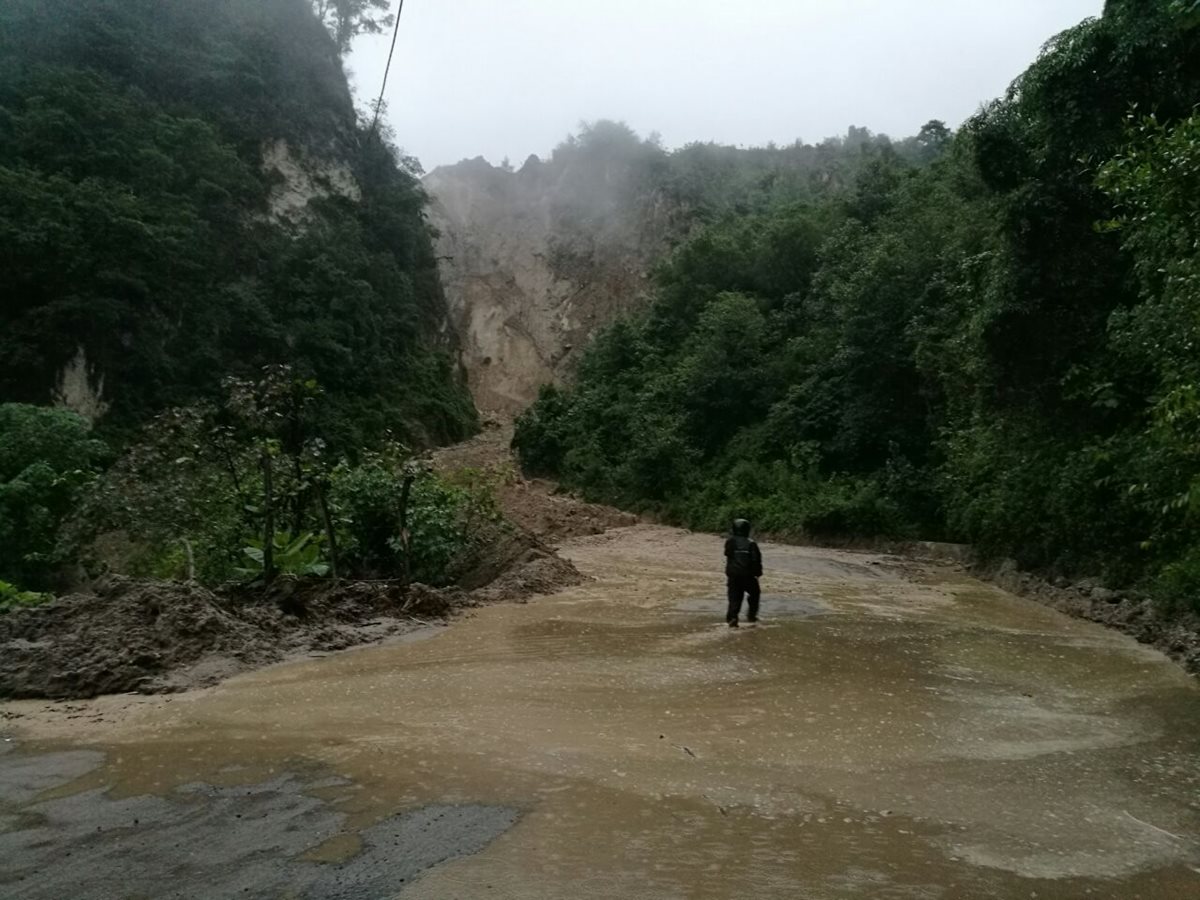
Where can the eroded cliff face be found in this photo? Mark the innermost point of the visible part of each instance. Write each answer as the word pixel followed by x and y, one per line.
pixel 534 262
pixel 301 178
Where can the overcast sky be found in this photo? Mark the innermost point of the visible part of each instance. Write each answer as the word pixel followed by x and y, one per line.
pixel 499 78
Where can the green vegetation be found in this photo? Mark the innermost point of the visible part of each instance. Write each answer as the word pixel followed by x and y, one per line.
pixel 987 337
pixel 12 597
pixel 347 19
pixel 248 489
pixel 154 282
pixel 613 192
pixel 137 232
pixel 397 516
pixel 47 456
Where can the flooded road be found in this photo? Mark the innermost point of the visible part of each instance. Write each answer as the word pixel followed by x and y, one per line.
pixel 890 731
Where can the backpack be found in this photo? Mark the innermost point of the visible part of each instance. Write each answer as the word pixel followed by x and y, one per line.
pixel 742 560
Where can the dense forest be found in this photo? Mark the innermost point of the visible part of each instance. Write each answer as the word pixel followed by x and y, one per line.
pixel 986 336
pixel 138 238
pixel 605 172
pixel 222 328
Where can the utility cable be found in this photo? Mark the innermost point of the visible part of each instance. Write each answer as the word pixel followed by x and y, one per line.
pixel 387 70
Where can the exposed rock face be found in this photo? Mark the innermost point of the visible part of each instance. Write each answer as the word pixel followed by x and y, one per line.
pixel 534 262
pixel 80 389
pixel 303 179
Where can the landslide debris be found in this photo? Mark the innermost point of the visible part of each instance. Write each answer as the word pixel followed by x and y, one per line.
pixel 533 505
pixel 134 635
pixel 536 261
pixel 146 636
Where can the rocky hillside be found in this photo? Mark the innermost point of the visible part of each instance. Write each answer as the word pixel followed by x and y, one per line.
pixel 535 261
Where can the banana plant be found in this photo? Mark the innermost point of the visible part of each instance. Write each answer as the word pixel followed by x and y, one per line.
pixel 298 556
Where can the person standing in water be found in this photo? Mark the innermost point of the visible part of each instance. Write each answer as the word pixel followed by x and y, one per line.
pixel 743 566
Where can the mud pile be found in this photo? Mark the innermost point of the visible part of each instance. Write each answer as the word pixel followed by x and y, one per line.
pixel 135 635
pixel 144 636
pixel 535 506
pixel 154 636
pixel 518 566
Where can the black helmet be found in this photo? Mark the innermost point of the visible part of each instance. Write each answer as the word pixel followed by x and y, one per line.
pixel 741 528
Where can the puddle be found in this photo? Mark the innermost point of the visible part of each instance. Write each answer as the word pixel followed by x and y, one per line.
pixel 773 607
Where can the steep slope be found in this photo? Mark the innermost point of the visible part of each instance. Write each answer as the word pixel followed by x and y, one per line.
pixel 186 193
pixel 996 349
pixel 534 262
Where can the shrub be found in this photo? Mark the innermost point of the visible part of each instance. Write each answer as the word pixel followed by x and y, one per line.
pixel 46 457
pixel 421 531
pixel 12 597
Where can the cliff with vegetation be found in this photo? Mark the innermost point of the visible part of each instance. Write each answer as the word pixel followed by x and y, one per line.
pixel 537 261
pixel 186 193
pixel 223 333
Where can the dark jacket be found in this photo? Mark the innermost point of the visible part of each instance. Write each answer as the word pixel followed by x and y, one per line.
pixel 742 556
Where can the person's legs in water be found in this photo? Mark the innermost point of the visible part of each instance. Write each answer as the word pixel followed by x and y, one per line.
pixel 752 591
pixel 736 589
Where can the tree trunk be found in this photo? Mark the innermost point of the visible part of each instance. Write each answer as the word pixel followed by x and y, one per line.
pixel 404 542
pixel 299 498
pixel 330 535
pixel 191 561
pixel 268 521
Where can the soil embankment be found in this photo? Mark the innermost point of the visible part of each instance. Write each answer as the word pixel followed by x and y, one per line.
pixel 154 636
pixel 1176 635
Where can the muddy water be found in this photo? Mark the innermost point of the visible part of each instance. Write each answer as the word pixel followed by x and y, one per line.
pixel 888 732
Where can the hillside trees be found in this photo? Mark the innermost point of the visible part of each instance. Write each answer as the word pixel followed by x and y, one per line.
pixel 991 343
pixel 347 19
pixel 151 274
pixel 138 232
pixel 248 489
pixel 1156 185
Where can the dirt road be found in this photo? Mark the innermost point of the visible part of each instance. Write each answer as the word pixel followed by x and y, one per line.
pixel 889 732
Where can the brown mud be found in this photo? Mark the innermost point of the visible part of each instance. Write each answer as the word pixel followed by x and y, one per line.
pixel 132 635
pixel 1178 636
pixel 144 636
pixel 887 733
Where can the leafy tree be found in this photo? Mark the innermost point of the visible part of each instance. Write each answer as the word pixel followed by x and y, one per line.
pixel 933 139
pixel 246 490
pixel 347 19
pixel 46 457
pixel 1155 182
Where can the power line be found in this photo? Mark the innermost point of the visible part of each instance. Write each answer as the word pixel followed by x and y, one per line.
pixel 387 70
